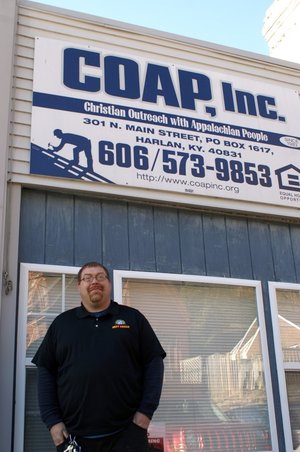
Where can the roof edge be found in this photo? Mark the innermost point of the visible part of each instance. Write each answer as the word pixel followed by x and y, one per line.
pixel 167 36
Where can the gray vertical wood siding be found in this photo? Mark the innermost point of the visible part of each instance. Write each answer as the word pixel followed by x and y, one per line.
pixel 64 229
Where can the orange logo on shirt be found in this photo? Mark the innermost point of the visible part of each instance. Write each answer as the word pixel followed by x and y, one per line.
pixel 120 324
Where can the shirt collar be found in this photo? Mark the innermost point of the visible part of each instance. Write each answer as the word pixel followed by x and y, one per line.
pixel 82 312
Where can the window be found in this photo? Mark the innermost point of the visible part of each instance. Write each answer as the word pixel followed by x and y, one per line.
pixel 214 396
pixel 285 302
pixel 45 292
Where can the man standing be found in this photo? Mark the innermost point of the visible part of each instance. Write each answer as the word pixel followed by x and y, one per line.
pixel 100 371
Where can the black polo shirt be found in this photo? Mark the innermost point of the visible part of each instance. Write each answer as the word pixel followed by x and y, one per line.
pixel 98 363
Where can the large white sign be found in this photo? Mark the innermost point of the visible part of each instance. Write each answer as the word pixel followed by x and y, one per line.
pixel 99 115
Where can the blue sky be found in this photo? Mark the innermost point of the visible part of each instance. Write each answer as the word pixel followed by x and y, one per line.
pixel 233 23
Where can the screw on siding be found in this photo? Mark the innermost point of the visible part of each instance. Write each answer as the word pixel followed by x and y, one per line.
pixel 7 283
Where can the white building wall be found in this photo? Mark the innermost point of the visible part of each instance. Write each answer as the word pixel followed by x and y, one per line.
pixel 282 29
pixel 7 38
pixel 45 21
pixel 8 299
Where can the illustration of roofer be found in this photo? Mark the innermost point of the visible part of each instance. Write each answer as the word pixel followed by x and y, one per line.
pixel 81 144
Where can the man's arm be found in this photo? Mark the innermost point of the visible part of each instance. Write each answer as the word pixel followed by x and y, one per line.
pixel 59 147
pixel 49 407
pixel 153 381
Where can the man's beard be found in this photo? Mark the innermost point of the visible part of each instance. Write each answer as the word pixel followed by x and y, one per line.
pixel 96 294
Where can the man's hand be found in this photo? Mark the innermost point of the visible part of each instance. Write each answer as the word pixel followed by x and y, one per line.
pixel 59 433
pixel 141 420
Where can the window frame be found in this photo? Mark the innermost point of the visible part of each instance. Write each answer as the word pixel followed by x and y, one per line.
pixel 21 361
pixel 282 367
pixel 120 275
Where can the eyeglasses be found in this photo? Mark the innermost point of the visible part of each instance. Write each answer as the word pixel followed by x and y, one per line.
pixel 90 278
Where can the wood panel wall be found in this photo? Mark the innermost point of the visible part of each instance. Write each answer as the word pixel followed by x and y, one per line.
pixel 64 229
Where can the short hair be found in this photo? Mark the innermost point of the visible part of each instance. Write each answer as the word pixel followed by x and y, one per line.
pixel 89 265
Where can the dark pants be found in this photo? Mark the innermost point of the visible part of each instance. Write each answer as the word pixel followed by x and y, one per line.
pixel 132 439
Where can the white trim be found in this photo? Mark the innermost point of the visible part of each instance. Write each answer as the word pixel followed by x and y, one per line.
pixel 281 366
pixel 63 307
pixel 20 367
pixel 266 365
pixel 119 275
pixel 22 361
pixel 47 268
pixel 291 366
pixel 148 195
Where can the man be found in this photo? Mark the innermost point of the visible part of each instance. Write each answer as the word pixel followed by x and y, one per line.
pixel 100 371
pixel 80 143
